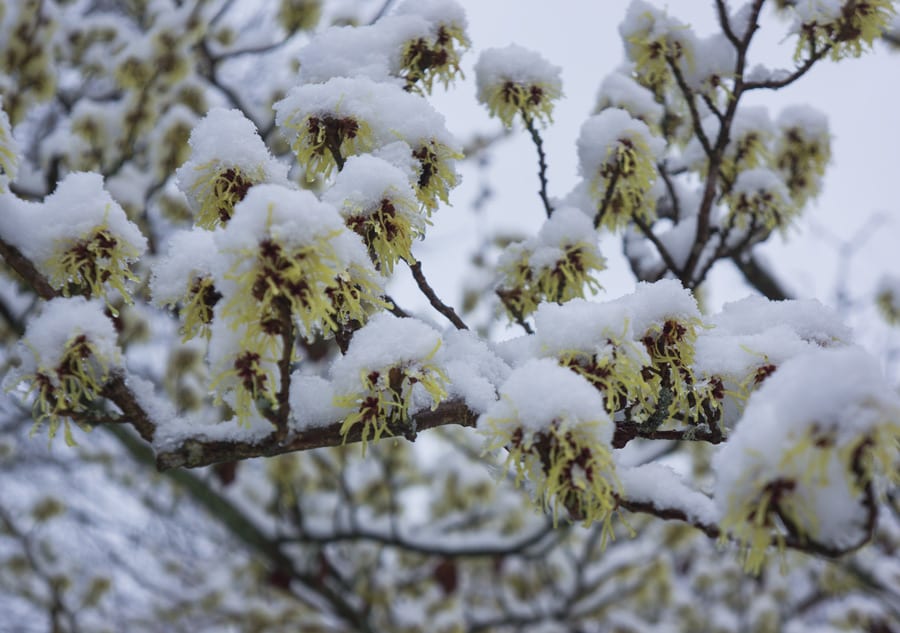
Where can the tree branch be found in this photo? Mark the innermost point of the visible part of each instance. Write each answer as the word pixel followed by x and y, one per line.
pixel 436 303
pixel 196 452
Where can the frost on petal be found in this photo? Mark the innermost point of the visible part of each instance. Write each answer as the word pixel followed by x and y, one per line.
pixel 227 158
pixel 555 427
pixel 617 158
pixel 514 80
pixel 801 461
pixel 68 353
pixel 389 373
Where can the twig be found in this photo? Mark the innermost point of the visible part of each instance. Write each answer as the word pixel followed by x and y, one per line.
pixel 660 247
pixel 542 161
pixel 435 301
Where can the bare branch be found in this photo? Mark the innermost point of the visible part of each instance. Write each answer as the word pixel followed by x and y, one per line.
pixel 435 301
pixel 542 162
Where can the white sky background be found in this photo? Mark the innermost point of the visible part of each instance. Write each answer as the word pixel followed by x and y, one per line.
pixel 860 96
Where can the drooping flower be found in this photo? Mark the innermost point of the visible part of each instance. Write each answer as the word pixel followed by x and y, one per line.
pixel 516 81
pixel 435 54
pixel 81 238
pixel 185 277
pixel 653 40
pixel 9 153
pixel 759 198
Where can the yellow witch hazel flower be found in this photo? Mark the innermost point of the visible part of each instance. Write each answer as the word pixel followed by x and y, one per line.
pixel 68 353
pixel 83 240
pixel 9 152
pixel 651 39
pixel 596 342
pixel 326 123
pixel 803 456
pixel 184 277
pixel 244 368
pixel 287 256
pixel 388 375
pixel 436 54
pixel 617 156
pixel 555 428
pixel 378 204
pixel 802 150
pixel 227 158
pixel 516 81
pixel 887 296
pixel 557 265
pixel 846 27
pixel 759 197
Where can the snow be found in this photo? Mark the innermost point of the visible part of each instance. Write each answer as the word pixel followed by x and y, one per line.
pixel 801 426
pixel 78 207
pixel 189 254
pixel 473 369
pixel 518 65
pixel 619 90
pixel 413 344
pixel 48 335
pixel 808 318
pixel 225 140
pixel 365 181
pixel 540 392
pixel 661 486
pixel 372 51
pixel 601 133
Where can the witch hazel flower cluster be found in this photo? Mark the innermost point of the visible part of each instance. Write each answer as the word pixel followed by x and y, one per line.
pixel 271 261
pixel 803 459
pixel 557 265
pixel 514 81
pixel 68 354
pixel 557 434
pixel 78 237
